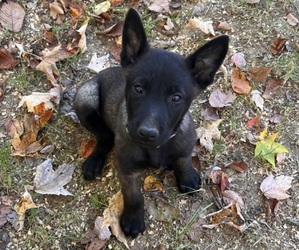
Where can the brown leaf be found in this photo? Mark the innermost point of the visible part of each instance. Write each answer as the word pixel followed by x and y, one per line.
pixel 229 215
pixel 196 163
pixel 239 166
pixel 114 30
pixel 222 26
pixel 151 184
pixel 77 9
pixel 272 86
pixel 43 115
pixel 87 147
pixel 112 216
pixel 230 196
pixel 12 16
pixel 14 126
pixel 7 61
pixel 278 45
pixel 49 35
pixel 213 175
pixel 56 9
pixel 239 82
pixel 272 206
pixel 259 74
pixel 22 206
pixel 115 51
pixel 116 2
pixel 224 183
pixel 2 88
pixel 254 123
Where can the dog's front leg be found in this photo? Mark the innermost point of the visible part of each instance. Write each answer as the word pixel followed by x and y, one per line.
pixel 132 220
pixel 188 179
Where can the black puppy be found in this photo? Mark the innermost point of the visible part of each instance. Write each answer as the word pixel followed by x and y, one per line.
pixel 142 109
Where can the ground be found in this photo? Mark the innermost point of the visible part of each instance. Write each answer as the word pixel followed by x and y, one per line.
pixel 61 222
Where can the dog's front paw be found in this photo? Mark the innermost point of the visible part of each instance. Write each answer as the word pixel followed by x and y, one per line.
pixel 92 168
pixel 132 225
pixel 189 181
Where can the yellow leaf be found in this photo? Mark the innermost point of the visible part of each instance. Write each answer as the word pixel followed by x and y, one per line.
pixel 263 134
pixel 102 7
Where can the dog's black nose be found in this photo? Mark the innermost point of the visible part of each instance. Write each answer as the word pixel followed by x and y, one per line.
pixel 148 133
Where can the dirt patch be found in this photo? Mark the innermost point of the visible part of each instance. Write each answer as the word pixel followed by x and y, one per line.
pixel 62 221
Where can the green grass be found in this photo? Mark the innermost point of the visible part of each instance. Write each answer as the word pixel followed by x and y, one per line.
pixel 6 175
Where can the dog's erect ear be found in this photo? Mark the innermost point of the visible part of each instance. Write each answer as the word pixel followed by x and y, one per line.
pixel 134 42
pixel 205 61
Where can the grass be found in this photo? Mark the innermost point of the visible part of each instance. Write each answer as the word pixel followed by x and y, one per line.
pixel 6 175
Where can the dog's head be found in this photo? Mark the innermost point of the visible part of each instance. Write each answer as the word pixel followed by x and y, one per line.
pixel 161 85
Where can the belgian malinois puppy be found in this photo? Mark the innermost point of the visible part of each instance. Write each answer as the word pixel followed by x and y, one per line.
pixel 142 109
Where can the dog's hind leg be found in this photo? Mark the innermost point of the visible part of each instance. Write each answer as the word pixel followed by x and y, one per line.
pixel 87 107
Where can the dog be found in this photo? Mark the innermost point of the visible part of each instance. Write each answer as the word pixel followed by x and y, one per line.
pixel 141 108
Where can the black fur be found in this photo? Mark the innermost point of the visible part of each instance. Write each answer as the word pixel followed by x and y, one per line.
pixel 142 109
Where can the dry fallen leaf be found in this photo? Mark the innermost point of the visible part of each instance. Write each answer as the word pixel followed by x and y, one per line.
pixel 276 187
pixel 87 147
pixel 272 86
pixel 259 74
pixel 254 123
pixel 230 196
pixel 112 216
pixel 219 99
pixel 239 166
pixel 278 45
pixel 49 181
pixel 12 16
pixel 22 206
pixel 293 21
pixel 206 134
pixel 80 40
pixel 152 184
pixel 114 30
pixel 159 6
pixel 48 63
pixel 257 99
pixel 205 26
pixel 239 82
pixel 222 26
pixel 102 7
pixel 14 126
pixel 115 51
pixel 7 61
pixel 238 59
pixel 213 175
pixel 210 114
pixel 35 99
pixel 229 215
pixel 98 64
pixel 272 206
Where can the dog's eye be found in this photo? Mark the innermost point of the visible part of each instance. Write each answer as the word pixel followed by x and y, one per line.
pixel 138 89
pixel 176 98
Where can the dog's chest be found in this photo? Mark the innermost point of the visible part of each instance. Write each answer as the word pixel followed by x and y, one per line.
pixel 159 158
